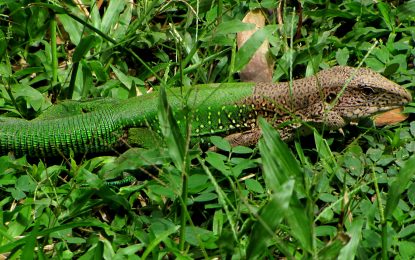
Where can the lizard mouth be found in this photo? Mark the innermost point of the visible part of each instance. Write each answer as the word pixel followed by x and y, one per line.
pixel 358 112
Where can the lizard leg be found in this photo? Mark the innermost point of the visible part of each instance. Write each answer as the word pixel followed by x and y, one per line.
pixel 330 121
pixel 247 138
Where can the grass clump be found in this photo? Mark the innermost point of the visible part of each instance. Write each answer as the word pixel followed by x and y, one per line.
pixel 338 197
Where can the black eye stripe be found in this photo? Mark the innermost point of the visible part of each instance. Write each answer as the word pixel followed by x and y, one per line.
pixel 368 91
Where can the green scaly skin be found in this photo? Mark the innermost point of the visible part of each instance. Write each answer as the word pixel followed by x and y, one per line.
pixel 330 100
pixel 99 126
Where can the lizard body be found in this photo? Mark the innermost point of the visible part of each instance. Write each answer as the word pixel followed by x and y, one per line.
pixel 330 100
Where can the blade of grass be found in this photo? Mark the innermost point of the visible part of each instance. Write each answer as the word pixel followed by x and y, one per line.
pixel 269 218
pixel 280 166
pixel 349 251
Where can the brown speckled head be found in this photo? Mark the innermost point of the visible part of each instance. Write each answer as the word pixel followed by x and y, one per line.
pixel 362 94
pixel 331 99
pixel 349 92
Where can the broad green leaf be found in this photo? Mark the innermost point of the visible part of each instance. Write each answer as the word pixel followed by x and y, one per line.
pixel 391 69
pixel 96 251
pixel 200 237
pixel 73 28
pixel 270 217
pixel 280 166
pixel 374 64
pixel 123 22
pixel 385 11
pixel 86 223
pixel 249 48
pixel 233 26
pixel 279 163
pixel 407 231
pixel 111 15
pixel 406 249
pixel 381 53
pixel 158 239
pixel 171 131
pixel 399 185
pixel 98 69
pixel 84 46
pixel 38 23
pixel 29 246
pixel 325 153
pixel 25 183
pixel 300 223
pixel 128 251
pixel 406 10
pixel 350 250
pixel 325 231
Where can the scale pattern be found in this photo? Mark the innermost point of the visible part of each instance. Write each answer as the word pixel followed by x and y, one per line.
pixel 84 133
pixel 328 100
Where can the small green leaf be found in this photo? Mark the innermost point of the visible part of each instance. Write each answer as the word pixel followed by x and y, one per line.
pixel 218 161
pixel 16 193
pixel 98 69
pixel 411 194
pixel 342 55
pixel 242 150
pixel 25 183
pixel 374 154
pixel 382 54
pixel 410 110
pixel 221 143
pixel 407 231
pixel 374 64
pixel 208 196
pixel 406 249
pixel 254 185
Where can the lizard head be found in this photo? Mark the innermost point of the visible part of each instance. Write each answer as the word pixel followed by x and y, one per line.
pixel 357 93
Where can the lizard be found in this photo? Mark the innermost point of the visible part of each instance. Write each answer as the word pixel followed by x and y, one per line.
pixel 330 99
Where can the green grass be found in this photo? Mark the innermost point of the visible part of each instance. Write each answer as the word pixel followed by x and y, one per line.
pixel 322 197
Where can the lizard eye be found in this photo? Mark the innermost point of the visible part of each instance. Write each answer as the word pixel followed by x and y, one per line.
pixel 367 91
pixel 330 97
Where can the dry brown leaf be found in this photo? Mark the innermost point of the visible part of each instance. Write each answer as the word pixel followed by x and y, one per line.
pixel 259 68
pixel 390 117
